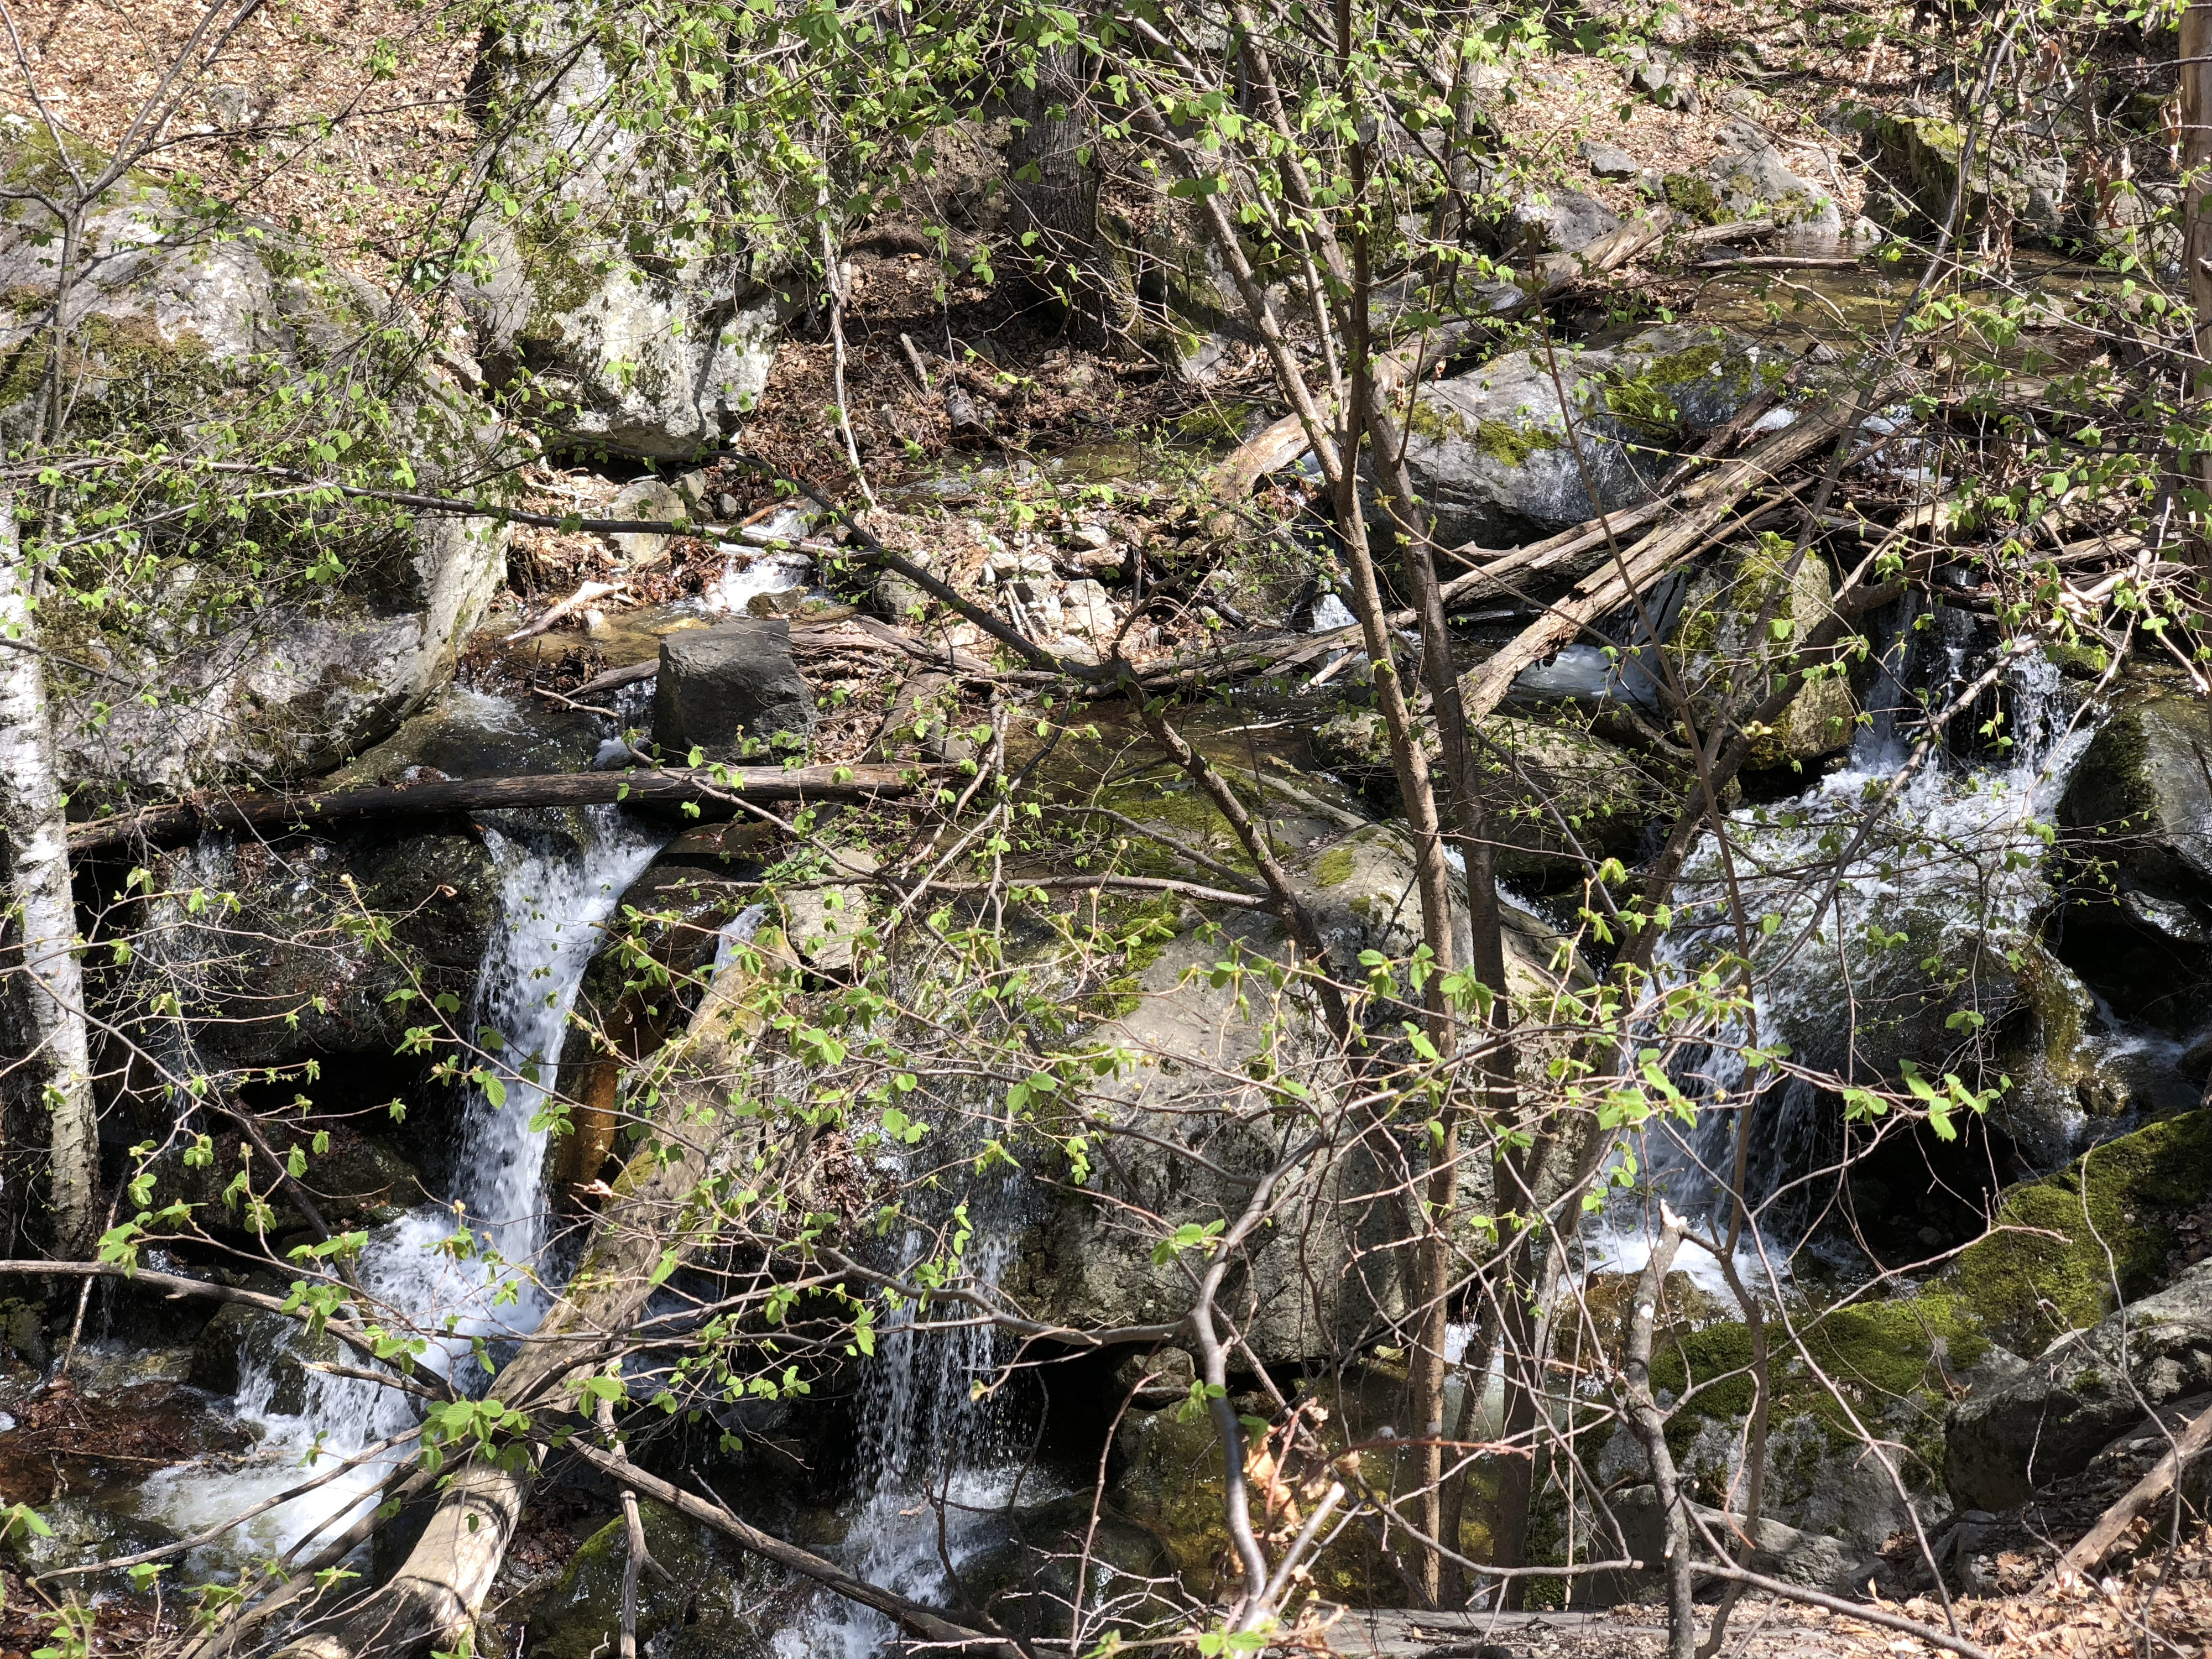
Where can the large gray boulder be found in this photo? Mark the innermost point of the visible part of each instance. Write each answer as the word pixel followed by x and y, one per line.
pixel 1558 221
pixel 730 690
pixel 1201 1054
pixel 2048 1422
pixel 1489 451
pixel 1810 1559
pixel 614 303
pixel 1751 180
pixel 176 330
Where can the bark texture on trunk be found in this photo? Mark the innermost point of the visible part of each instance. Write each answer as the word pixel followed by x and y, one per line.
pixel 43 912
pixel 2196 75
pixel 438 1593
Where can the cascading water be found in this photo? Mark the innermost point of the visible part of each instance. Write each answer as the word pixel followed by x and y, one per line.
pixel 1953 870
pixel 557 890
pixel 929 1442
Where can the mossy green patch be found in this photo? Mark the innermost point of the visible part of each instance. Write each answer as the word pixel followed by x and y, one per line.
pixel 2046 1269
pixel 1333 868
pixel 1688 192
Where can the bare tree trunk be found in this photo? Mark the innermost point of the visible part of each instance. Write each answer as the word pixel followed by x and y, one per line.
pixel 438 1593
pixel 2195 75
pixel 45 914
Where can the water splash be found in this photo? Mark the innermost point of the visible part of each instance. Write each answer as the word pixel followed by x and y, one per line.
pixel 1954 868
pixel 556 891
pixel 931 1444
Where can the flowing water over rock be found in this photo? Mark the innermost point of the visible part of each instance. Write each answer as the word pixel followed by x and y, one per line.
pixel 933 1446
pixel 557 890
pixel 1879 946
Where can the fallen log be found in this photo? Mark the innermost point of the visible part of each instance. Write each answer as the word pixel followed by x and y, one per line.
pixel 174 822
pixel 435 1596
pixel 1700 510
pixel 2088 1554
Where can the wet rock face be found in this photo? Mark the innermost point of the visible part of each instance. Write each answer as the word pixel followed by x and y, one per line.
pixel 170 329
pixel 2052 1419
pixel 727 688
pixel 292 972
pixel 1024 1571
pixel 1201 1048
pixel 1490 454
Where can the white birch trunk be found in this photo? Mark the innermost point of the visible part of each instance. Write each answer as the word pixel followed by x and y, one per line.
pixel 42 911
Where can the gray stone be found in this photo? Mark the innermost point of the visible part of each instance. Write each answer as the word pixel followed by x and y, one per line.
pixel 1796 1557
pixel 608 300
pixel 1753 182
pixel 1917 158
pixel 1559 221
pixel 729 690
pixel 1662 77
pixel 2088 1388
pixel 170 329
pixel 1609 160
pixel 644 498
pixel 1488 451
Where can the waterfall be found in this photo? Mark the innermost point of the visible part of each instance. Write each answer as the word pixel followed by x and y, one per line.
pixel 926 1442
pixel 555 893
pixel 1954 866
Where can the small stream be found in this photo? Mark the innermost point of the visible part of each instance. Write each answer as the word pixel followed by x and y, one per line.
pixel 557 890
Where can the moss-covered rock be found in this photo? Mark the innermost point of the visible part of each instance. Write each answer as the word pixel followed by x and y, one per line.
pixel 705 1608
pixel 1920 158
pixel 2141 796
pixel 1738 624
pixel 2045 1270
pixel 1489 451
pixel 2056 1414
pixel 1530 769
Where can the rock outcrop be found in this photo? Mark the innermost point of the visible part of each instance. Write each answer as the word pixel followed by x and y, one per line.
pixel 616 307
pixel 1489 451
pixel 2071 1402
pixel 178 327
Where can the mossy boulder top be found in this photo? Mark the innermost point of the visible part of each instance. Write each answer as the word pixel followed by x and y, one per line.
pixel 1489 451
pixel 1745 614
